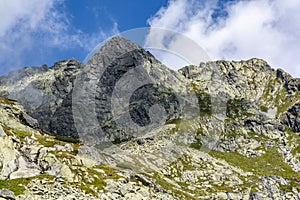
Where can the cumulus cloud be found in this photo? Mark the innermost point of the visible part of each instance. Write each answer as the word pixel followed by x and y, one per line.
pixel 20 22
pixel 236 30
pixel 31 30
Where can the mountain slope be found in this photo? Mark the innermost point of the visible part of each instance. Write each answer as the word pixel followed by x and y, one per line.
pixel 156 165
pixel 35 165
pixel 221 130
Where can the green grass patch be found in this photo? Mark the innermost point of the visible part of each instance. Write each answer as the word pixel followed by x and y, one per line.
pixel 289 187
pixel 18 185
pixel 46 141
pixel 293 138
pixel 204 100
pixel 21 134
pixel 284 102
pixel 264 108
pixel 196 145
pixel 51 141
pixel 98 179
pixel 223 187
pixel 159 179
pixel 269 164
pixel 67 139
pixel 296 150
pixel 236 108
pixel 267 95
pixel 258 137
pixel 99 182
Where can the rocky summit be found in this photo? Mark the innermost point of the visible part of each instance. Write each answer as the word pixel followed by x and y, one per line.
pixel 125 126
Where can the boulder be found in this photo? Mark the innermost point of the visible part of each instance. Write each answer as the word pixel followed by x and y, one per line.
pixel 7 194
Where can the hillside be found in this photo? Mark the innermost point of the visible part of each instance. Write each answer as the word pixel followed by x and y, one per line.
pixel 125 126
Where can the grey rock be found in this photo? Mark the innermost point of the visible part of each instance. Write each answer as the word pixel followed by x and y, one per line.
pixel 256 196
pixel 2 133
pixel 7 194
pixel 292 118
pixel 222 195
pixel 27 120
pixel 45 94
pixel 123 72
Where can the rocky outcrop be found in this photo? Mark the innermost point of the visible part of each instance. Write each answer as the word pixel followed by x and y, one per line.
pixel 292 119
pixel 237 80
pixel 124 81
pixel 45 94
pixel 7 194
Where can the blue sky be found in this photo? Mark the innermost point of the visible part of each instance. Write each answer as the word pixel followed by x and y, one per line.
pixel 79 21
pixel 128 14
pixel 35 32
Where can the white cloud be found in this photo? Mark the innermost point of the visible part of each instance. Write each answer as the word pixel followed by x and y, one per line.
pixel 30 27
pixel 21 22
pixel 173 48
pixel 14 12
pixel 242 29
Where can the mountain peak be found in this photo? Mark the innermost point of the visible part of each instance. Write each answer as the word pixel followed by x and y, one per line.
pixel 113 48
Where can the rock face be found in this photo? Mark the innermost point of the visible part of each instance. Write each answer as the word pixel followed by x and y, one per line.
pixel 292 119
pixel 122 82
pixel 45 94
pixel 220 130
pixel 35 165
